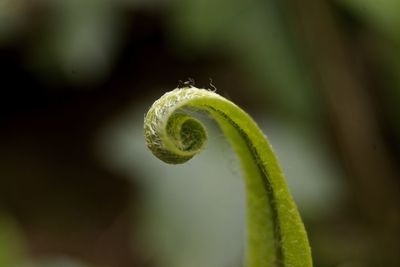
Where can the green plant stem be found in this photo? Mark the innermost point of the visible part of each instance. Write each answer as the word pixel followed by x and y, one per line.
pixel 276 234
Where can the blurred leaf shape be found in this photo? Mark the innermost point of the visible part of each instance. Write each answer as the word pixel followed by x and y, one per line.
pixel 80 41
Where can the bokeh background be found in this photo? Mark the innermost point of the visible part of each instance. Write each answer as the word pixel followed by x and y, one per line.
pixel 78 188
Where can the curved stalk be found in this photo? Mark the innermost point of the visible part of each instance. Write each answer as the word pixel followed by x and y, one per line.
pixel 275 233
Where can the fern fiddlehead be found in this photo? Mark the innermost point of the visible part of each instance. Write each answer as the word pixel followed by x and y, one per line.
pixel 275 233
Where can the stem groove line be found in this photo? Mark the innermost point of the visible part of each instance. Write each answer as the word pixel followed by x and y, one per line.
pixel 267 185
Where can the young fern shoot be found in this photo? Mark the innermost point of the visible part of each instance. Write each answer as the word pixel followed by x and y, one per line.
pixel 275 233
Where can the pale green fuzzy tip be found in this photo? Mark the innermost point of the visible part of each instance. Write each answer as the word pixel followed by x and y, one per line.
pixel 173 136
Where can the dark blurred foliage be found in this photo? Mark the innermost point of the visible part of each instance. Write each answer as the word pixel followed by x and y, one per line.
pixel 69 69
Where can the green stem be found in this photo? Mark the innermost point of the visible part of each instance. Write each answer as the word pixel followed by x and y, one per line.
pixel 276 234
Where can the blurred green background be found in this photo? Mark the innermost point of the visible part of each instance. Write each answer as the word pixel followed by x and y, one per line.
pixel 78 187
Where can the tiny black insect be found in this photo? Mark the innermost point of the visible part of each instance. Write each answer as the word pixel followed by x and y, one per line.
pixel 189 83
